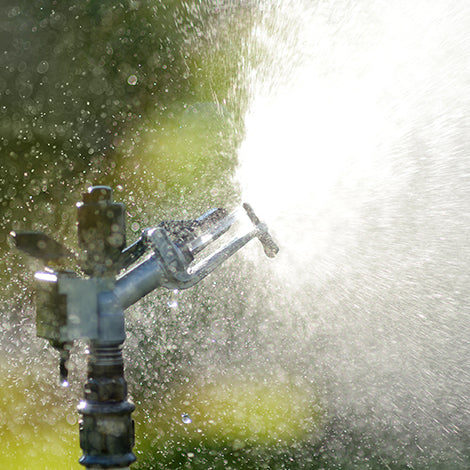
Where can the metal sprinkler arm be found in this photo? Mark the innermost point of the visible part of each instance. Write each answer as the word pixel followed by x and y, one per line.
pixel 170 265
pixel 194 274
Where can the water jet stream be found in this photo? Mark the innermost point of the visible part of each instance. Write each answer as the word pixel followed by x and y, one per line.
pixel 358 127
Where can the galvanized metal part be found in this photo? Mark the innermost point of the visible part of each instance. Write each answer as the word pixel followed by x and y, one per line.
pixel 91 306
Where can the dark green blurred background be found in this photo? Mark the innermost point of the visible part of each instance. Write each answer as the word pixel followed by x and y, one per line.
pixel 144 96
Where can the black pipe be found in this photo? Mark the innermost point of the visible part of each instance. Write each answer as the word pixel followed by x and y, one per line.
pixel 106 426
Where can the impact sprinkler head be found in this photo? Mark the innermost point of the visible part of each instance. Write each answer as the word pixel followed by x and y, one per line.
pixel 89 302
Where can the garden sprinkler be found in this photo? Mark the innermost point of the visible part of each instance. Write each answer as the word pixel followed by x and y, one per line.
pixel 89 303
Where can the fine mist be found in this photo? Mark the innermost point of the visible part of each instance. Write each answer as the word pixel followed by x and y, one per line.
pixel 357 156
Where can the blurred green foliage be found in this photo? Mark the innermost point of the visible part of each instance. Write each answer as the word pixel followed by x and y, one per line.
pixel 142 95
pixel 38 426
pixel 236 411
pixel 229 420
pixel 235 423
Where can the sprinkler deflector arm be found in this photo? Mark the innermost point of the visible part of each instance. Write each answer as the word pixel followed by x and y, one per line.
pixel 169 268
pixel 91 305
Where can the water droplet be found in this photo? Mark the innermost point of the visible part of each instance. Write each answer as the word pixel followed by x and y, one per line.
pixel 65 383
pixel 132 80
pixel 43 67
pixel 173 302
pixel 186 418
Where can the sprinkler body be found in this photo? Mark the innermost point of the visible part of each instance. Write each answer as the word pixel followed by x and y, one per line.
pixel 90 305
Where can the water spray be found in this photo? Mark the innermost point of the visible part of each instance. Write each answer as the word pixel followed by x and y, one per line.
pixel 88 302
